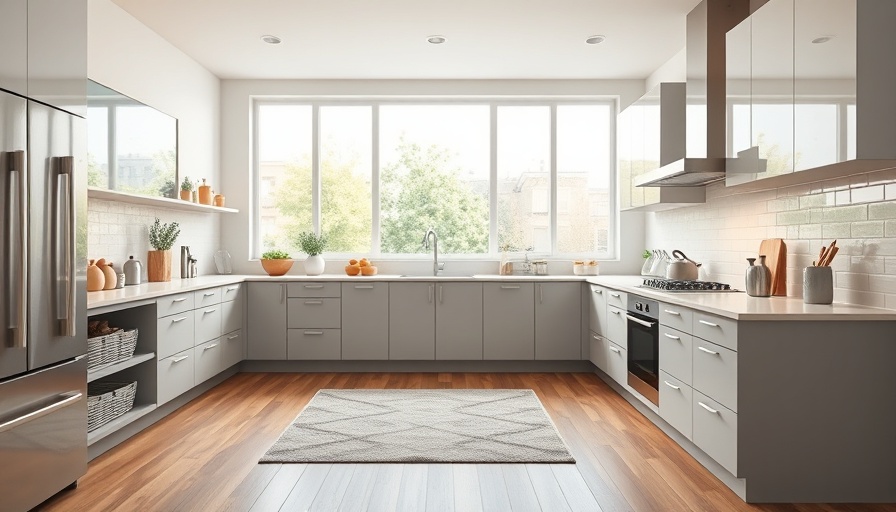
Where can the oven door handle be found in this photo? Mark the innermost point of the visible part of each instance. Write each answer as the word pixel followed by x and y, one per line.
pixel 639 321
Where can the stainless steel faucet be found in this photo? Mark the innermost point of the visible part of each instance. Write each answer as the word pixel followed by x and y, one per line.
pixel 435 250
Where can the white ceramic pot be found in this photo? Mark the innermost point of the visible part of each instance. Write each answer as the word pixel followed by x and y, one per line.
pixel 314 265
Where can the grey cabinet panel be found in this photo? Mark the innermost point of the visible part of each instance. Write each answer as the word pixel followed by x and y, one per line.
pixel 175 375
pixel 617 364
pixel 599 352
pixel 173 304
pixel 459 321
pixel 617 330
pixel 314 289
pixel 175 334
pixel 412 321
pixel 318 313
pixel 233 348
pixel 232 315
pixel 715 431
pixel 232 292
pixel 719 330
pixel 203 298
pixel 597 320
pixel 267 321
pixel 209 359
pixel 676 405
pixel 676 317
pixel 715 372
pixel 314 344
pixel 558 321
pixel 365 321
pixel 14 41
pixel 675 353
pixel 57 54
pixel 508 321
pixel 207 323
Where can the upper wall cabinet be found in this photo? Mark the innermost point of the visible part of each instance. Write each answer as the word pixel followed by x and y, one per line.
pixel 650 134
pixel 810 89
pixel 14 41
pixel 57 53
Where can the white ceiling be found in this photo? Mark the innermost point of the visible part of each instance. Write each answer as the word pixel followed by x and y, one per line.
pixel 386 39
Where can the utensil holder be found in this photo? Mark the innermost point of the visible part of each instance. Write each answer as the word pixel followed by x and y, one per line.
pixel 818 285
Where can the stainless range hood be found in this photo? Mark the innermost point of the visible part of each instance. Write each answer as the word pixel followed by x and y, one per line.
pixel 705 161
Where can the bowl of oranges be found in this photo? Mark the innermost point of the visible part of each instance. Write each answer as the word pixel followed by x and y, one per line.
pixel 360 267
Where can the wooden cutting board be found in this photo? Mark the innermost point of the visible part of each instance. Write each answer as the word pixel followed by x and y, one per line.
pixel 775 251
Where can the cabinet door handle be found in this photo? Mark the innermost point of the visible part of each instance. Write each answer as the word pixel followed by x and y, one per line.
pixel 314 286
pixel 314 302
pixel 541 294
pixel 638 321
pixel 175 320
pixel 363 287
pixel 595 336
pixel 510 287
pixel 282 293
pixel 615 312
pixel 666 334
pixel 614 349
pixel 208 294
pixel 179 359
pixel 430 293
pixel 615 295
pixel 676 313
pixel 179 300
pixel 207 311
pixel 704 322
pixel 673 386
pixel 708 408
pixel 314 333
pixel 235 336
pixel 67 399
pixel 213 345
pixel 231 288
pixel 599 292
pixel 704 349
pixel 441 294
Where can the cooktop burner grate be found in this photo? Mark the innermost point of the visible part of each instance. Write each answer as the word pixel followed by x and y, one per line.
pixel 672 285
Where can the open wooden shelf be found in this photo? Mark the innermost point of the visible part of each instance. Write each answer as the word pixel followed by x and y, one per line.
pixel 158 202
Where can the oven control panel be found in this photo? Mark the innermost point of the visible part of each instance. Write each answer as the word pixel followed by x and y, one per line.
pixel 644 307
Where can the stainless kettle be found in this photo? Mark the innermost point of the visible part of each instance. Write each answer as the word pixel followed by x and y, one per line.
pixel 682 268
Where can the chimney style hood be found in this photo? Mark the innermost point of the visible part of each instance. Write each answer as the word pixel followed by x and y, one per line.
pixel 705 161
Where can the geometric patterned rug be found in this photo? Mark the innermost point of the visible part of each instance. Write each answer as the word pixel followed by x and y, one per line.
pixel 421 425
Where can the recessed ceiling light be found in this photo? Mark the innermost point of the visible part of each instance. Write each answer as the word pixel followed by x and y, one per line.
pixel 822 39
pixel 436 39
pixel 595 39
pixel 271 39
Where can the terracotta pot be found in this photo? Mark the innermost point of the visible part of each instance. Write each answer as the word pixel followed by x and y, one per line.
pixel 158 266
pixel 276 267
pixel 95 278
pixel 219 200
pixel 186 195
pixel 109 276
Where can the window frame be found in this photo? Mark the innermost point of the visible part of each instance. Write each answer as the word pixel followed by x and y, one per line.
pixel 493 103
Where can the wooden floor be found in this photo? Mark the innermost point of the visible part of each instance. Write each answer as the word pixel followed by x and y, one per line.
pixel 204 458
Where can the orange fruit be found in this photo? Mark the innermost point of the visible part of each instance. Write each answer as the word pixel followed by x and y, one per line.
pixel 363 262
pixel 352 261
pixel 368 270
pixel 352 270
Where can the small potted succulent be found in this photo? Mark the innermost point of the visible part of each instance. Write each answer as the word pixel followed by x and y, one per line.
pixel 276 262
pixel 312 245
pixel 186 189
pixel 158 261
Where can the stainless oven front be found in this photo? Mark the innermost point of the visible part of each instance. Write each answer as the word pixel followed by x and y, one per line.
pixel 642 319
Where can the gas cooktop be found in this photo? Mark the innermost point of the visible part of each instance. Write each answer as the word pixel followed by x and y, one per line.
pixel 672 285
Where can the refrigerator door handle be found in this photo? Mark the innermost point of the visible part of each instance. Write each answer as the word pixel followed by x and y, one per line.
pixel 17 259
pixel 65 271
pixel 67 399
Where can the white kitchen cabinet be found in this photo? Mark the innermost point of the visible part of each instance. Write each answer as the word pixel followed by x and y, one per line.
pixel 233 348
pixel 174 333
pixel 207 323
pixel 365 321
pixel 208 297
pixel 715 372
pixel 715 431
pixel 719 330
pixel 175 375
pixel 675 353
pixel 314 289
pixel 508 321
pixel 316 312
pixel 267 320
pixel 617 328
pixel 208 361
pixel 599 352
pixel 232 292
pixel 174 304
pixel 558 321
pixel 458 321
pixel 677 317
pixel 676 404
pixel 597 319
pixel 412 320
pixel 617 364
pixel 231 315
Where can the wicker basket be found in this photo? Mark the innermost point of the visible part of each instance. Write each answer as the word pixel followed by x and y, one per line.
pixel 111 348
pixel 107 401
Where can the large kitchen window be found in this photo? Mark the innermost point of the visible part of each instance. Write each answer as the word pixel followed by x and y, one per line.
pixel 487 176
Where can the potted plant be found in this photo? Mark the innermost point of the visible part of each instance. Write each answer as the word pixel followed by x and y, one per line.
pixel 186 189
pixel 313 245
pixel 158 261
pixel 276 263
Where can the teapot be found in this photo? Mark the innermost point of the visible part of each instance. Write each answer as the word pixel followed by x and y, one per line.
pixel 682 268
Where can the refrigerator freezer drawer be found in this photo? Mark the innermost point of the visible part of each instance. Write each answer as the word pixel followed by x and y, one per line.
pixel 43 433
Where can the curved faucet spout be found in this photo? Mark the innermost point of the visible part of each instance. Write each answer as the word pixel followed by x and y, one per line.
pixel 435 249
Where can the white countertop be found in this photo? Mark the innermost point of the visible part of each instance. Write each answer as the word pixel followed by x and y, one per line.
pixel 740 306
pixel 153 290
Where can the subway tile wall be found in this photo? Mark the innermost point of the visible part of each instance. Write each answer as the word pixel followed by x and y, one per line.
pixel 858 211
pixel 116 230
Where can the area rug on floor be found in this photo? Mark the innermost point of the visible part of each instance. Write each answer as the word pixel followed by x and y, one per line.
pixel 421 425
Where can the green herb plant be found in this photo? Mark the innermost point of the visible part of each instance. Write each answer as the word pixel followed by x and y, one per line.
pixel 275 255
pixel 311 244
pixel 162 236
pixel 186 184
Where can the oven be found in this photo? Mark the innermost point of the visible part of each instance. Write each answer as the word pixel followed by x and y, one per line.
pixel 643 326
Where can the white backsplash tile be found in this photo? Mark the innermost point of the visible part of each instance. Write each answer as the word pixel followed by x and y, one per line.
pixel 859 211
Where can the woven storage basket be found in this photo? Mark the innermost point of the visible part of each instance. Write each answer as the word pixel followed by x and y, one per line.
pixel 111 348
pixel 107 401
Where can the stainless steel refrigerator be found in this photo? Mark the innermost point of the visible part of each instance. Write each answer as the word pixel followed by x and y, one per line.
pixel 43 363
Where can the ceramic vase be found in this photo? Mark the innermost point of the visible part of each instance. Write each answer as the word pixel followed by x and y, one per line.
pixel 96 280
pixel 818 285
pixel 314 265
pixel 158 266
pixel 109 276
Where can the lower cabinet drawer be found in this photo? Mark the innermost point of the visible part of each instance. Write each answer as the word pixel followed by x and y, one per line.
pixel 617 364
pixel 207 323
pixel 314 313
pixel 715 372
pixel 676 404
pixel 715 431
pixel 231 315
pixel 233 348
pixel 311 344
pixel 208 360
pixel 675 353
pixel 174 334
pixel 175 375
pixel 599 351
pixel 617 330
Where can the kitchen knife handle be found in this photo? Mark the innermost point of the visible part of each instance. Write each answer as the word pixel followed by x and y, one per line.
pixel 65 260
pixel 17 263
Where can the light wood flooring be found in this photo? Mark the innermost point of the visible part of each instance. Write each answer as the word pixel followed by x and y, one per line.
pixel 204 457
